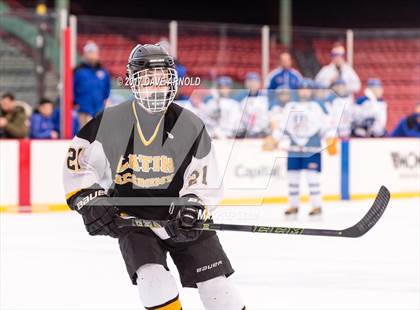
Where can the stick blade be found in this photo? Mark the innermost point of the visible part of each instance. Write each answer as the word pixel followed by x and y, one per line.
pixel 372 216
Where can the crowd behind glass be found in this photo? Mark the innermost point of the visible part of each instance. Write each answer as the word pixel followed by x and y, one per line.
pixel 252 109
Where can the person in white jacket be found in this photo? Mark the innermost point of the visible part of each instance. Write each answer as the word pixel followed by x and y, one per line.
pixel 339 69
pixel 255 121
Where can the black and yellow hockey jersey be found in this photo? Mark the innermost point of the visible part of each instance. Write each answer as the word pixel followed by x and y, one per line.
pixel 144 161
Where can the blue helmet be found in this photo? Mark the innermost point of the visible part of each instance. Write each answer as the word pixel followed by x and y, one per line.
pixel 252 76
pixel 224 81
pixel 306 83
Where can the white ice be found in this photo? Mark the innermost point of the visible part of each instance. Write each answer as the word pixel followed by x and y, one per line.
pixel 49 262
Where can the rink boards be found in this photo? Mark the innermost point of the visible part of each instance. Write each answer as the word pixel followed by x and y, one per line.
pixel 31 180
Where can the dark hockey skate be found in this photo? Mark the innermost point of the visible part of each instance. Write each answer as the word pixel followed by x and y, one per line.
pixel 315 211
pixel 291 211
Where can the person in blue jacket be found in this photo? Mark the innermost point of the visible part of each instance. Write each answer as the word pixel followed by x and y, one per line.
pixel 283 77
pixel 91 84
pixel 409 126
pixel 56 121
pixel 42 125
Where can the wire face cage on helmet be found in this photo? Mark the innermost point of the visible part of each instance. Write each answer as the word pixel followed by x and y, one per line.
pixel 151 74
pixel 154 88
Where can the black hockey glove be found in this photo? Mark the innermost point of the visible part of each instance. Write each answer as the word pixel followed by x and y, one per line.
pixel 97 212
pixel 186 217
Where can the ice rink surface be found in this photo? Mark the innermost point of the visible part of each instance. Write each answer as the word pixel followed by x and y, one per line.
pixel 49 262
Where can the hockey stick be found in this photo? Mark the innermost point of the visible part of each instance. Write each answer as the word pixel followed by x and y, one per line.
pixel 363 226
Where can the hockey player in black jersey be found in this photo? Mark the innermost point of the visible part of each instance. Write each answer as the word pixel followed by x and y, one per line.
pixel 152 159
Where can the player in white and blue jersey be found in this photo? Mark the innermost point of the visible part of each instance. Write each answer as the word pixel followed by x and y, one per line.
pixel 304 122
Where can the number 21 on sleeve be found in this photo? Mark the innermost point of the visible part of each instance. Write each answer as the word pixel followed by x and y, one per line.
pixel 195 175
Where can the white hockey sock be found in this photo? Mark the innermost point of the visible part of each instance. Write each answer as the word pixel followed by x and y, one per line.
pixel 293 177
pixel 157 287
pixel 218 293
pixel 314 183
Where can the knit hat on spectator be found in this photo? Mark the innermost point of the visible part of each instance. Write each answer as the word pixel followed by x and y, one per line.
pixel 90 47
pixel 374 82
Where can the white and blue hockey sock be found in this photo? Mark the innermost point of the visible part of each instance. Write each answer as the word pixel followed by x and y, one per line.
pixel 314 183
pixel 293 177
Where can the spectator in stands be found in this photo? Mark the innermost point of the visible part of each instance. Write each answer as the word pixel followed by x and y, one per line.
pixel 409 126
pixel 283 76
pixel 222 114
pixel 91 84
pixel 370 112
pixel 13 118
pixel 339 69
pixel 255 121
pixel 57 125
pixel 42 125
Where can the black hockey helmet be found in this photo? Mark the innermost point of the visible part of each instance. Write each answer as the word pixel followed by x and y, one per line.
pixel 149 56
pixel 152 76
